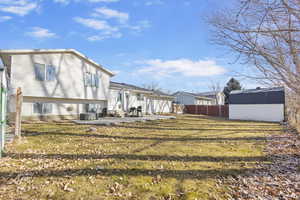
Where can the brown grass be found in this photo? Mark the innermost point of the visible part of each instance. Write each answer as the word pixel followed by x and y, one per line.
pixel 170 159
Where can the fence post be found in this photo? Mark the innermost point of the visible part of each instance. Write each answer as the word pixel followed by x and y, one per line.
pixel 19 101
pixel 206 109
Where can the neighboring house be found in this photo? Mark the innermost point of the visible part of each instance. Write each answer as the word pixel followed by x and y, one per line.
pixel 159 102
pixel 265 104
pixel 219 97
pixel 59 83
pixel 187 98
pixel 125 96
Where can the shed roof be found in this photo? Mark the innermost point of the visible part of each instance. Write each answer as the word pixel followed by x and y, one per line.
pixel 43 51
pixel 274 95
pixel 257 90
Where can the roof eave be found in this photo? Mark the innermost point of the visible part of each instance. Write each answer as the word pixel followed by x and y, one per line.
pixel 72 51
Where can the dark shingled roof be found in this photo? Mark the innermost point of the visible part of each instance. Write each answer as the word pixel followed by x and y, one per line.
pixel 274 95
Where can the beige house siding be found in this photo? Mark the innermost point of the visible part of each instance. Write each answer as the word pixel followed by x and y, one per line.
pixel 68 93
pixel 69 83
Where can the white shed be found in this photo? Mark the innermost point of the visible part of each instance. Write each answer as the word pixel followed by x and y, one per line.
pixel 257 104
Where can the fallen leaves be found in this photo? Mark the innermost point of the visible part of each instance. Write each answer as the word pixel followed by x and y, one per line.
pixel 277 180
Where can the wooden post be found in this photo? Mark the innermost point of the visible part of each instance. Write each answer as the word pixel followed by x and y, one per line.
pixel 19 101
pixel 206 109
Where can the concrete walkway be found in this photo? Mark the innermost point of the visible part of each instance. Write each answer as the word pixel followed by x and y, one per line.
pixel 109 121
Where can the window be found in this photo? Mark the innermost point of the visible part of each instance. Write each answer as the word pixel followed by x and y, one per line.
pixel 44 72
pixel 50 73
pixel 96 80
pixel 88 79
pixel 39 70
pixel 119 97
pixel 92 80
pixel 140 97
pixel 92 108
pixel 42 108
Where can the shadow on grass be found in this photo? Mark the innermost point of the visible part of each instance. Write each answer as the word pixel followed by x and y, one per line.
pixel 179 139
pixel 140 157
pixel 179 174
pixel 199 129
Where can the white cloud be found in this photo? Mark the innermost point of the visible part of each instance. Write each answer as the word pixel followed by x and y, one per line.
pixel 154 2
pixel 140 26
pixel 18 7
pixel 91 1
pixel 95 24
pixel 105 31
pixel 38 32
pixel 185 67
pixel 110 13
pixel 104 1
pixel 62 1
pixel 116 72
pixel 5 18
pixel 103 36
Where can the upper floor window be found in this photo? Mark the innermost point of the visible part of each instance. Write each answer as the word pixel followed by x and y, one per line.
pixel 87 79
pixel 44 72
pixel 92 80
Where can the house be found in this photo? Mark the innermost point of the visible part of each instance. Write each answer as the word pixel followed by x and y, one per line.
pixel 56 83
pixel 187 98
pixel 159 102
pixel 219 97
pixel 261 104
pixel 124 96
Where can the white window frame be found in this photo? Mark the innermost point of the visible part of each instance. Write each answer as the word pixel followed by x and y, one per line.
pixel 45 72
pixel 140 97
pixel 42 108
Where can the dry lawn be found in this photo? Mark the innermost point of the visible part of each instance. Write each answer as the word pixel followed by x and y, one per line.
pixel 169 159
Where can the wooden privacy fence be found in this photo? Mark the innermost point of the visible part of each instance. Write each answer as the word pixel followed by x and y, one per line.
pixel 215 111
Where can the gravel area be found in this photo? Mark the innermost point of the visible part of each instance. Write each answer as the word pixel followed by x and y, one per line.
pixel 116 121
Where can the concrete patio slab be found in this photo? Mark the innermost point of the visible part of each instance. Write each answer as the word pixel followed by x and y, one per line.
pixel 110 121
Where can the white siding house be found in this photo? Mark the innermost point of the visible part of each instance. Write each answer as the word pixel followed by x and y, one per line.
pixel 187 98
pixel 125 96
pixel 159 103
pixel 219 97
pixel 56 83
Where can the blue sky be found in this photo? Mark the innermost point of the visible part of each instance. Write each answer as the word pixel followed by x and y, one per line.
pixel 144 41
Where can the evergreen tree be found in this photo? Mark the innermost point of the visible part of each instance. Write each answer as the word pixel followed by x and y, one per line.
pixel 231 85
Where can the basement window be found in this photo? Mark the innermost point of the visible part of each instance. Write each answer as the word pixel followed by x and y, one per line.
pixel 42 108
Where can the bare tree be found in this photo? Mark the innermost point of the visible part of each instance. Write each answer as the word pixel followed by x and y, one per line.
pixel 264 34
pixel 215 87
